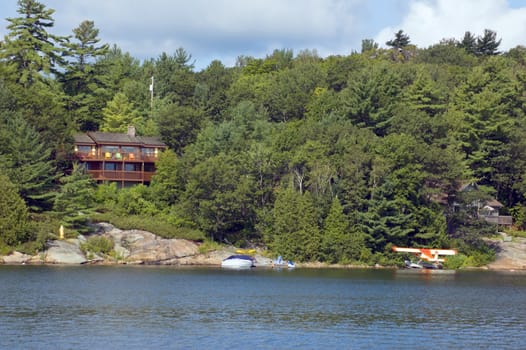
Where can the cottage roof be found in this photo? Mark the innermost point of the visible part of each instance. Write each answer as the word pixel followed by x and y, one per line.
pixel 83 138
pixel 494 203
pixel 152 141
pixel 117 138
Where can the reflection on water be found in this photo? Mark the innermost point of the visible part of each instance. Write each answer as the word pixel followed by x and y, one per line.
pixel 144 307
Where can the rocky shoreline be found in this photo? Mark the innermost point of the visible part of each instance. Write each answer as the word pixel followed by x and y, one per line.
pixel 511 253
pixel 132 247
pixel 136 247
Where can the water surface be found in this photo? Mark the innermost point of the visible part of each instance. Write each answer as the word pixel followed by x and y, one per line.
pixel 124 307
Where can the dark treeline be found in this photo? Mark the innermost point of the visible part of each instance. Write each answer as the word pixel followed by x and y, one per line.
pixel 330 159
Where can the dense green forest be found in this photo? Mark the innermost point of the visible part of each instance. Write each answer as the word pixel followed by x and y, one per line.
pixel 330 159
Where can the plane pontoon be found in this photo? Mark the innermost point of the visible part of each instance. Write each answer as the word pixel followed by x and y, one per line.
pixel 429 258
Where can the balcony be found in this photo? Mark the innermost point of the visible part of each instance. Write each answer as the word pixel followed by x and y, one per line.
pixel 120 175
pixel 500 220
pixel 116 156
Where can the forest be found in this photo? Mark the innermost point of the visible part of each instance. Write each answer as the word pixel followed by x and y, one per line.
pixel 331 159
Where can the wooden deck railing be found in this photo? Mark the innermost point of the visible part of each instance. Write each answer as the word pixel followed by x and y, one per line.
pixel 119 175
pixel 116 156
pixel 499 220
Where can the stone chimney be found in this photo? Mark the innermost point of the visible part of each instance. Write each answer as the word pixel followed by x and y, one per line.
pixel 131 130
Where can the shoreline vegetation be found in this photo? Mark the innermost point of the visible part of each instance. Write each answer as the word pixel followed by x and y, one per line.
pixel 112 246
pixel 334 159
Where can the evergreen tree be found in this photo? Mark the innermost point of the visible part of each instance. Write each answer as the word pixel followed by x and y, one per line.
pixel 400 40
pixel 29 51
pixel 295 232
pixel 74 201
pixel 424 95
pixel 13 215
pixel 485 120
pixel 79 80
pixel 469 43
pixel 176 80
pixel 487 44
pixel 27 162
pixel 335 235
pixel 211 91
pixel 370 99
pixel 114 71
pixel 119 114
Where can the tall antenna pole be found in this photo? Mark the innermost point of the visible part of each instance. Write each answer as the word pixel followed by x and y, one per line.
pixel 151 95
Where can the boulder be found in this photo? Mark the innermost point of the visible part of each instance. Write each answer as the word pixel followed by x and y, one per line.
pixel 16 258
pixel 136 246
pixel 510 254
pixel 64 252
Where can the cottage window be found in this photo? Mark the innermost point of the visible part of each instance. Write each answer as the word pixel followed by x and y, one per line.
pixel 131 167
pixel 127 149
pixel 110 149
pixel 84 149
pixel 110 166
pixel 150 152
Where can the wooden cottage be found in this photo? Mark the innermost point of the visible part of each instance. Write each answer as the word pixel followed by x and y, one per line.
pixel 488 209
pixel 127 159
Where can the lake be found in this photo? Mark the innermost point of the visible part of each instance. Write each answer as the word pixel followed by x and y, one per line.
pixel 152 307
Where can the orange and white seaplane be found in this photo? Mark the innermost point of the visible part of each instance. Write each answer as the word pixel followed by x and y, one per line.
pixel 429 258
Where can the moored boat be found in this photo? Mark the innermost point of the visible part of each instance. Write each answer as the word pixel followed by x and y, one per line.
pixel 279 262
pixel 238 261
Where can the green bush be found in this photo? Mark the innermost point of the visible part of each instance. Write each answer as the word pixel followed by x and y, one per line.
pixel 5 249
pixel 208 245
pixel 150 224
pixel 97 245
pixel 455 262
pixel 480 258
pixel 516 233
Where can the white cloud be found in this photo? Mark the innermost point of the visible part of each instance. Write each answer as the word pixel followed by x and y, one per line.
pixel 226 29
pixel 427 22
pixel 229 27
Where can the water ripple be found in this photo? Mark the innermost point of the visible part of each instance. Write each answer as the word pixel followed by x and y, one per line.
pixel 137 308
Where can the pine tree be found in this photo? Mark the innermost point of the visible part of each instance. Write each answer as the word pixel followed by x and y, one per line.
pixel 487 44
pixel 400 40
pixel 27 162
pixel 74 201
pixel 29 51
pixel 13 215
pixel 335 235
pixel 80 80
pixel 296 234
pixel 119 114
pixel 469 43
pixel 424 95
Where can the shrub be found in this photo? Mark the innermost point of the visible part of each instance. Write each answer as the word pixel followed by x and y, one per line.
pixel 516 233
pixel 150 224
pixel 97 245
pixel 208 245
pixel 455 262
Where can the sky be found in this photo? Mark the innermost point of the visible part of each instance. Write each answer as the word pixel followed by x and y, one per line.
pixel 226 29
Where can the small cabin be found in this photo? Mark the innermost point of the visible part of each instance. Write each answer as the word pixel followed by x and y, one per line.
pixel 124 158
pixel 489 209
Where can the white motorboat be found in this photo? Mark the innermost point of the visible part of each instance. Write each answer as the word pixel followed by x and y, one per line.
pixel 239 261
